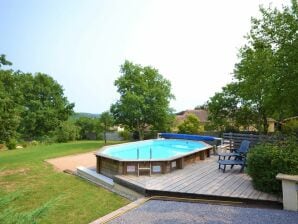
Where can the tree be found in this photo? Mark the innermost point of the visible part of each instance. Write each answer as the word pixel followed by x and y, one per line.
pixel 144 98
pixel 266 75
pixel 88 126
pixel 106 121
pixel 44 105
pixel 4 61
pixel 9 107
pixel 67 131
pixel 267 71
pixel 191 125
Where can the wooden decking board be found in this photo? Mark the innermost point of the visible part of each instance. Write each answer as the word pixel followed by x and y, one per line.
pixel 196 175
pixel 246 193
pixel 233 187
pixel 174 183
pixel 215 184
pixel 202 178
pixel 193 181
pixel 240 189
pixel 209 182
pixel 228 184
pixel 189 172
pixel 219 183
pixel 255 194
pixel 203 182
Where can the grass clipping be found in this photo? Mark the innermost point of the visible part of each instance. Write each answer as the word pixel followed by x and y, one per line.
pixel 9 215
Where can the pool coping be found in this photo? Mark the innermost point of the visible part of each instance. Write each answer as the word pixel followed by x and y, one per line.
pixel 101 154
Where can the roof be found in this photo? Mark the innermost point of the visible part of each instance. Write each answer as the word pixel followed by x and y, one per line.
pixel 291 118
pixel 201 114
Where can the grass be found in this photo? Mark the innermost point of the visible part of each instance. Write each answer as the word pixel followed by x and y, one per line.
pixel 31 191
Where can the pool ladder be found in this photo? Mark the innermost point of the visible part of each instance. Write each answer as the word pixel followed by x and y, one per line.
pixel 144 168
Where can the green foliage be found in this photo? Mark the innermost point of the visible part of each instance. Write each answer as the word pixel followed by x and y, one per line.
pixel 31 106
pixel 106 120
pixel 11 144
pixel 32 190
pixel 9 106
pixel 144 98
pixel 266 161
pixel 67 131
pixel 266 76
pixel 290 127
pixel 125 135
pixel 4 61
pixel 44 105
pixel 191 125
pixel 88 126
pixel 12 216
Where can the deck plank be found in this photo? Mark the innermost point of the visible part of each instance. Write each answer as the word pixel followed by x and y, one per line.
pixel 202 178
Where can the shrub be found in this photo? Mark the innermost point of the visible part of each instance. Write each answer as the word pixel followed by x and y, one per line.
pixel 191 125
pixel 267 160
pixel 150 134
pixel 67 131
pixel 11 144
pixel 291 127
pixel 34 143
pixel 125 135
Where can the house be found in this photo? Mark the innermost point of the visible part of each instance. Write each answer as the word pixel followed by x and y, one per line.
pixel 201 114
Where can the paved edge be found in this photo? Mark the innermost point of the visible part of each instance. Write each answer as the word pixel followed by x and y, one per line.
pixel 120 211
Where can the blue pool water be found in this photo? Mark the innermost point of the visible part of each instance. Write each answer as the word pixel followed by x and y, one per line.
pixel 160 149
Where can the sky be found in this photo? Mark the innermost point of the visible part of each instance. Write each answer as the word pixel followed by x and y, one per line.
pixel 81 44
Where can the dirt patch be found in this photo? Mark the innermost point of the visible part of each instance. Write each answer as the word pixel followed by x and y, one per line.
pixel 12 172
pixel 72 162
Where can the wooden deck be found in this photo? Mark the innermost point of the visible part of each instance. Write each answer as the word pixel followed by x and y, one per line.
pixel 202 178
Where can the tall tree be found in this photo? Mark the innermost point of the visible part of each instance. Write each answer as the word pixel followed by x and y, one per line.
pixel 9 103
pixel 44 105
pixel 267 71
pixel 144 98
pixel 106 121
pixel 266 74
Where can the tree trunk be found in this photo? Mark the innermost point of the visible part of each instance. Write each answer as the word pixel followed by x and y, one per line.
pixel 265 124
pixel 105 136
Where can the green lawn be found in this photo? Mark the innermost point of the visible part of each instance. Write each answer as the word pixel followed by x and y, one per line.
pixel 31 191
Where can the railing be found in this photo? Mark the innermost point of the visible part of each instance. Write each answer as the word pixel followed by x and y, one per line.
pixel 138 153
pixel 234 139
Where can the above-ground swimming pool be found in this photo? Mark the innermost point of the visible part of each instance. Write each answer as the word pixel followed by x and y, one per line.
pixel 150 156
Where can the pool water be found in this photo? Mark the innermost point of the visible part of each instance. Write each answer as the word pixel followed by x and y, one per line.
pixel 153 149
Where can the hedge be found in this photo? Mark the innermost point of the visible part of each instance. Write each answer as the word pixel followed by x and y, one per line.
pixel 266 161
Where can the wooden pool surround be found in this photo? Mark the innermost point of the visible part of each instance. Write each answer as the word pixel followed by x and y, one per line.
pixel 111 167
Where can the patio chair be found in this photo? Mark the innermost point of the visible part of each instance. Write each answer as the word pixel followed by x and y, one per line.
pixel 237 153
pixel 239 160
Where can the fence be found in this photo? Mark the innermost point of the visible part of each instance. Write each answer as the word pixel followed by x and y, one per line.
pixel 234 139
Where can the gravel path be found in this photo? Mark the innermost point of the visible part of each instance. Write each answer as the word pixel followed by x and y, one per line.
pixel 170 212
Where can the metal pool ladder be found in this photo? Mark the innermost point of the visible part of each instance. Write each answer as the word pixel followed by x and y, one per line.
pixel 144 168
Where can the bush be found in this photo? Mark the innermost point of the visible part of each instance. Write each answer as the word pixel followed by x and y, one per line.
pixel 191 125
pixel 125 135
pixel 267 160
pixel 291 127
pixel 11 144
pixel 150 134
pixel 67 131
pixel 34 143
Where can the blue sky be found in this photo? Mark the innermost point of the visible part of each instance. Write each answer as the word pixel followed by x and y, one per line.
pixel 82 44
